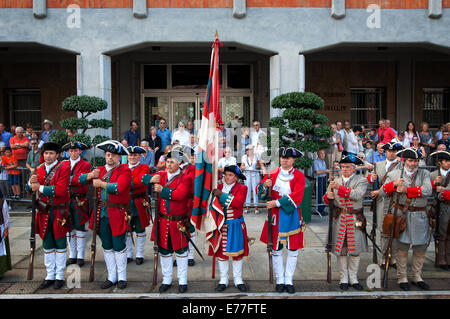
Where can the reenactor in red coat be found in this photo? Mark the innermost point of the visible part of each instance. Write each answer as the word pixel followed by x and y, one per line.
pixel 286 185
pixel 174 187
pixel 78 206
pixel 231 196
pixel 139 205
pixel 112 183
pixel 51 181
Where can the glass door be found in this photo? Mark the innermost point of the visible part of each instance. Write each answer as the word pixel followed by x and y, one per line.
pixel 183 109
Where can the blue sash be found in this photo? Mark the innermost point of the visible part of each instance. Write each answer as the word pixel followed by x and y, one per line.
pixel 288 224
pixel 235 237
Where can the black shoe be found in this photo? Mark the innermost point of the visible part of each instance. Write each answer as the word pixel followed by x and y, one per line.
pixel 182 288
pixel 139 261
pixel 404 286
pixel 221 287
pixel 129 260
pixel 393 266
pixel 357 286
pixel 107 284
pixel 58 284
pixel 191 262
pixel 279 288
pixel 421 284
pixel 290 289
pixel 71 261
pixel 164 287
pixel 444 267
pixel 46 284
pixel 242 287
pixel 80 262
pixel 175 263
pixel 343 286
pixel 122 284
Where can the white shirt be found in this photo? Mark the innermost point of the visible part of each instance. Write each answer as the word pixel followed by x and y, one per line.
pixel 48 168
pixel 72 163
pixel 345 179
pixel 171 176
pixel 131 166
pixel 227 188
pixel 389 163
pixel 254 136
pixel 108 168
pixel 352 143
pixel 183 137
pixel 444 173
pixel 226 161
pixel 283 185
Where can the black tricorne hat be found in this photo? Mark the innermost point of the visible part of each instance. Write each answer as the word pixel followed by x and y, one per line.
pixel 352 159
pixel 289 152
pixel 392 146
pixel 50 146
pixel 113 146
pixel 236 170
pixel 136 150
pixel 178 153
pixel 73 145
pixel 409 153
pixel 441 155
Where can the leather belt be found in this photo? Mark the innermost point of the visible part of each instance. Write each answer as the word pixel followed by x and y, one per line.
pixel 173 218
pixel 60 206
pixel 140 195
pixel 410 208
pixel 114 205
pixel 340 210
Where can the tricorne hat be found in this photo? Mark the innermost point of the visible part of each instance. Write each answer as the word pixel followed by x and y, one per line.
pixel 113 146
pixel 236 170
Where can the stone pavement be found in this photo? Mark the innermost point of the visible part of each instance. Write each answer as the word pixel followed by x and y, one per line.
pixel 309 278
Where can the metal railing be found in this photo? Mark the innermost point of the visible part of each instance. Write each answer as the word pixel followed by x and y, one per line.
pixel 367 197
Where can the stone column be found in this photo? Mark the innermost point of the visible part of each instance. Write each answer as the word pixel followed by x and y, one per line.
pixel 39 9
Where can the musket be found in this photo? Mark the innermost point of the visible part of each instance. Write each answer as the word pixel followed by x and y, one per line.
pixel 329 245
pixel 391 234
pixel 436 225
pixel 182 230
pixel 373 232
pixel 94 230
pixel 32 237
pixel 155 242
pixel 269 235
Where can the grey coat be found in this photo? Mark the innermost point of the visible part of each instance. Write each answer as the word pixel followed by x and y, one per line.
pixel 444 214
pixel 358 186
pixel 418 229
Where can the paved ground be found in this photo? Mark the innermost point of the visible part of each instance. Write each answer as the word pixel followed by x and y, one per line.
pixel 309 278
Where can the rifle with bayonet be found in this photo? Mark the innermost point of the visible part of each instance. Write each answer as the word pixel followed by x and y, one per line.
pixel 155 242
pixel 392 229
pixel 269 235
pixel 329 245
pixel 94 230
pixel 373 232
pixel 32 236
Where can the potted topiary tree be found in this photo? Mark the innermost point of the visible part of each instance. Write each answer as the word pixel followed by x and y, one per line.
pixel 301 127
pixel 86 106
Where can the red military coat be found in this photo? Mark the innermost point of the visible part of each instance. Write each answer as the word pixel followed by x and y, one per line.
pixel 233 210
pixel 81 167
pixel 116 192
pixel 138 187
pixel 173 201
pixel 57 193
pixel 297 185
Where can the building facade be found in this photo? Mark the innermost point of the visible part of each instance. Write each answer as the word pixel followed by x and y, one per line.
pixel 368 59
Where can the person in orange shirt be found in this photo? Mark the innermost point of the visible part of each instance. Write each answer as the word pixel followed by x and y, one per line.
pixel 19 145
pixel 10 163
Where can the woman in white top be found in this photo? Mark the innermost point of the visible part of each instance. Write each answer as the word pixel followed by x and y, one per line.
pixel 181 135
pixel 410 132
pixel 249 167
pixel 5 255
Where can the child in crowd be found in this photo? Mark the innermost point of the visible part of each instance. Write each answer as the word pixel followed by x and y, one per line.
pixel 10 163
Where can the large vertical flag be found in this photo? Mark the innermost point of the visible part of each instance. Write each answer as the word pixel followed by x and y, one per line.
pixel 207 214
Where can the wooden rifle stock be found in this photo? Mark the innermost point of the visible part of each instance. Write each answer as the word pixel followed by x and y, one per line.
pixel 330 233
pixel 373 232
pixel 269 237
pixel 436 226
pixel 32 237
pixel 155 242
pixel 94 231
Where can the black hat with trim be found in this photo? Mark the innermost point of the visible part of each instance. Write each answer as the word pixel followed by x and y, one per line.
pixel 392 146
pixel 441 155
pixel 409 153
pixel 73 145
pixel 113 146
pixel 289 152
pixel 50 146
pixel 135 150
pixel 352 159
pixel 236 170
pixel 178 154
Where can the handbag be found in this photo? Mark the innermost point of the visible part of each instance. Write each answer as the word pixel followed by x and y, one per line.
pixel 341 147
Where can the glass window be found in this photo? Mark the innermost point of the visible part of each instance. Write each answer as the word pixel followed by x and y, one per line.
pixel 436 106
pixel 237 112
pixel 192 76
pixel 238 76
pixel 25 107
pixel 366 106
pixel 155 108
pixel 155 76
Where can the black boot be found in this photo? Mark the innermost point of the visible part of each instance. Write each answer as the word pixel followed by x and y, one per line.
pixel 221 287
pixel 164 287
pixel 58 284
pixel 71 261
pixel 80 262
pixel 46 284
pixel 107 284
pixel 139 261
